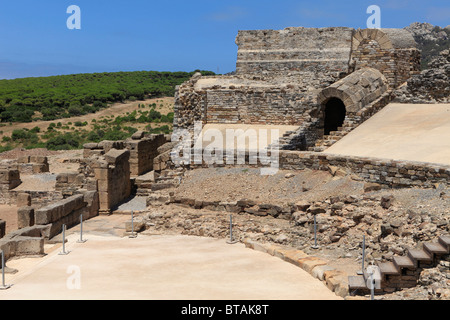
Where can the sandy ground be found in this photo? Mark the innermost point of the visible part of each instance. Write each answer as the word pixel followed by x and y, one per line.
pixel 418 132
pixel 111 267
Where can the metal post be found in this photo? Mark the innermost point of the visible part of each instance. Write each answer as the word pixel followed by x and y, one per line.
pixel 63 252
pixel 231 241
pixel 315 246
pixel 372 287
pixel 133 235
pixel 81 230
pixel 363 255
pixel 3 286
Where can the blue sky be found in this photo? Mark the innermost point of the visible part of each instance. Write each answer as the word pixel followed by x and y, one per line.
pixel 170 35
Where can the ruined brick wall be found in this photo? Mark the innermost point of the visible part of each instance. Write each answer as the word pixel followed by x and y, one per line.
pixel 255 106
pixel 431 85
pixel 391 51
pixel 294 50
pixel 143 150
pixel 9 179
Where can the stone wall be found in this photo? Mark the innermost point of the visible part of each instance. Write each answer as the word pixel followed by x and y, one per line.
pixel 255 106
pixel 33 164
pixel 431 85
pixel 66 211
pixel 294 50
pixel 143 150
pixel 387 172
pixel 112 173
pixel 9 179
pixel 26 241
pixel 391 51
pixel 392 173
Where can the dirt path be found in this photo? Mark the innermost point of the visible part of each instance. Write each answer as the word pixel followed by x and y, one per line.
pixel 115 110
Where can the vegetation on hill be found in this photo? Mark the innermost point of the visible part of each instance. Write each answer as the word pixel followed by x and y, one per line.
pixel 67 136
pixel 56 97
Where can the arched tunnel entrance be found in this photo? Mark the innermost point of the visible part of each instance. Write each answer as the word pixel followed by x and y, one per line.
pixel 334 115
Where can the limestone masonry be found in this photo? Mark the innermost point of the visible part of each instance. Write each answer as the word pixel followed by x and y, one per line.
pixel 318 79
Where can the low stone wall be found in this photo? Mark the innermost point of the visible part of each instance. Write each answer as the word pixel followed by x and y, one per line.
pixel 66 212
pixel 143 150
pixel 9 179
pixel 26 241
pixel 33 164
pixel 393 173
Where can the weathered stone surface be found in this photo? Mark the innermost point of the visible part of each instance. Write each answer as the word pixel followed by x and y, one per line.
pixel 25 217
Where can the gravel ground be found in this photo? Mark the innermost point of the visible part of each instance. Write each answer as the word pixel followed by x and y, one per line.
pixel 231 184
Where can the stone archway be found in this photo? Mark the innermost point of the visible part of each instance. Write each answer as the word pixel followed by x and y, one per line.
pixel 334 115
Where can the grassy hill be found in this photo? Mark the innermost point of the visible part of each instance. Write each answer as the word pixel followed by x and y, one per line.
pixel 57 97
pixel 64 112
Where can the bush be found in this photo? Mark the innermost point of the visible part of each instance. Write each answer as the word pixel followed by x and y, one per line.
pixel 65 141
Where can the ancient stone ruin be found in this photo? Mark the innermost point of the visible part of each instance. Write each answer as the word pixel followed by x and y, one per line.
pixel 321 84
pixel 317 79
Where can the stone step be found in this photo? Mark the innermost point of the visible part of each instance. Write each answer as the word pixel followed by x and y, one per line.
pixel 419 255
pixel 388 268
pixel 435 248
pixel 404 262
pixel 357 282
pixel 445 242
pixel 162 186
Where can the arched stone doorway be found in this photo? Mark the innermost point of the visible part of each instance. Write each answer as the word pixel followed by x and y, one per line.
pixel 334 115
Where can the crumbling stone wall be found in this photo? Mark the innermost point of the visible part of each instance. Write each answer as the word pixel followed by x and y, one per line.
pixel 33 164
pixel 391 51
pixel 143 150
pixel 66 211
pixel 285 77
pixel 324 51
pixel 9 179
pixel 431 85
pixel 112 173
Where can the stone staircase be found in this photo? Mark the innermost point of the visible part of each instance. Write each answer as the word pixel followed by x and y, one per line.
pixel 153 181
pixel 403 271
pixel 328 140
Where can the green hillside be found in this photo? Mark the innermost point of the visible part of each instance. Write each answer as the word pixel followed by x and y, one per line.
pixel 56 97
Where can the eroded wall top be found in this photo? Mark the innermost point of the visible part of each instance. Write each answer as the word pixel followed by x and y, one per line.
pixel 294 50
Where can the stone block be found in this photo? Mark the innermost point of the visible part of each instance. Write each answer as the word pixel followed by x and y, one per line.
pixel 115 156
pixel 23 199
pixel 43 216
pixel 28 245
pixel 23 159
pixel 39 159
pixel 25 217
pixel 91 198
pixel 40 168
